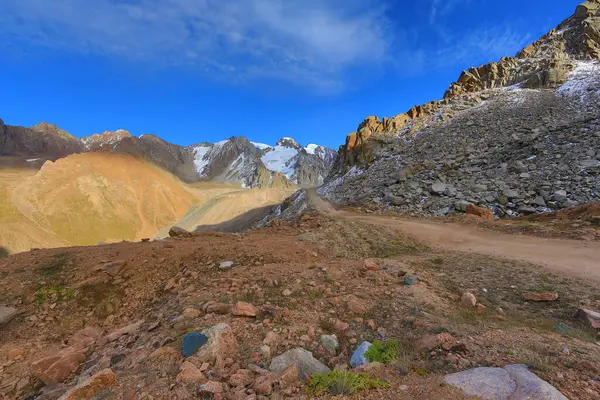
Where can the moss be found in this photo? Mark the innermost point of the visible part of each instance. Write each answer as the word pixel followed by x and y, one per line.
pixel 383 352
pixel 342 383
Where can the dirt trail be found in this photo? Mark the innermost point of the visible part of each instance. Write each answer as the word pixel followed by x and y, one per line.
pixel 560 256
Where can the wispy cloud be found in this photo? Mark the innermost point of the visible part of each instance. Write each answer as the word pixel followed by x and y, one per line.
pixel 479 46
pixel 307 41
pixel 443 7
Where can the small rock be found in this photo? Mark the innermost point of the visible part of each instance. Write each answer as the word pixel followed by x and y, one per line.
pixel 563 329
pixel 468 300
pixel 357 306
pixel 192 342
pixel 438 188
pixel 303 359
pixel 263 384
pixel 126 330
pixel 540 296
pixel 226 265
pixel 58 367
pixel 410 280
pixel 371 265
pixel 212 387
pixel 91 386
pixel 431 342
pixel 511 194
pixel 329 342
pixel 243 309
pixel 358 357
pixel 265 352
pixel 16 352
pixel 287 292
pixel 6 314
pixel 242 377
pixel 271 338
pixel 190 374
pixel 462 205
pixel 480 212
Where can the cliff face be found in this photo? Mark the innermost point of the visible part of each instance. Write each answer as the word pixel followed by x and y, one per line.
pixel 544 64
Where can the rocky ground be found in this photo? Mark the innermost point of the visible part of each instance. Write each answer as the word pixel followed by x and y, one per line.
pixel 214 315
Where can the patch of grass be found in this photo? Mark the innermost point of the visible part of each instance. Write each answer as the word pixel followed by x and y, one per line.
pixel 62 293
pixel 342 383
pixel 383 352
pixel 312 296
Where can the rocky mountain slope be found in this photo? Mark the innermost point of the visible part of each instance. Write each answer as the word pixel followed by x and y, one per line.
pixel 232 160
pixel 518 136
pixel 41 140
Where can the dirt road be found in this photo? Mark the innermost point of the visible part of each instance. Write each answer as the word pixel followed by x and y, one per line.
pixel 560 256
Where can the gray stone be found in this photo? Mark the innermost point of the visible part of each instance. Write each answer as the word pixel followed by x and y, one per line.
pixel 438 188
pixel 329 342
pixel 527 210
pixel 511 194
pixel 560 195
pixel 303 359
pixel 539 201
pixel 513 382
pixel 6 314
pixel 479 188
pixel 589 163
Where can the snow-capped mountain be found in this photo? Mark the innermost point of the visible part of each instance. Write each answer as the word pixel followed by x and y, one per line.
pixel 237 159
pixel 305 166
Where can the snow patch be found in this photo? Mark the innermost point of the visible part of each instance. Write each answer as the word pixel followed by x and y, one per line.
pixel 583 81
pixel 201 158
pixel 311 148
pixel 280 159
pixel 33 159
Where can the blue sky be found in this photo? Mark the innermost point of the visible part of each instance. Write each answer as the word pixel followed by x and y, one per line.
pixel 204 70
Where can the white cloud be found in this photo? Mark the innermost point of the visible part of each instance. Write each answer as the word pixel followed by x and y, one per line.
pixel 309 42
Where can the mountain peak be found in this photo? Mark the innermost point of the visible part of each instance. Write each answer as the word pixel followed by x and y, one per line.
pixel 288 142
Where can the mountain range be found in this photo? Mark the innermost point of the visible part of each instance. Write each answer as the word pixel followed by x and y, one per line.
pixel 233 160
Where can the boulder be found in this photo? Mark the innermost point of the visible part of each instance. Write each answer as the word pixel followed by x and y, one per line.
pixel 560 195
pixel 510 382
pixel 221 345
pixel 90 387
pixel 179 232
pixel 303 359
pixel 358 357
pixel 590 318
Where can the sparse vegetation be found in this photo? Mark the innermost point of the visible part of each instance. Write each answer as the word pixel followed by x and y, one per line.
pixel 61 293
pixel 342 383
pixel 3 252
pixel 383 352
pixel 53 268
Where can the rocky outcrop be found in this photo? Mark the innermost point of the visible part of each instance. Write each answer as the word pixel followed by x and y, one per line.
pixel 42 140
pixel 517 136
pixel 543 64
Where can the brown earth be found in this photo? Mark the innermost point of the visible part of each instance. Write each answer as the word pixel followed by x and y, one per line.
pixel 84 199
pixel 304 279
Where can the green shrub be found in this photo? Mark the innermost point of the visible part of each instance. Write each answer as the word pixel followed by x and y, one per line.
pixel 383 352
pixel 342 383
